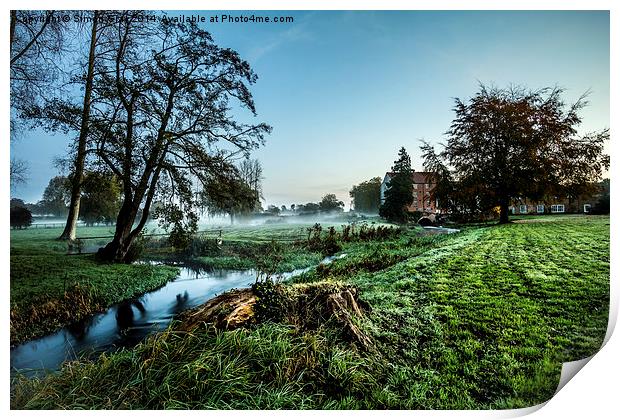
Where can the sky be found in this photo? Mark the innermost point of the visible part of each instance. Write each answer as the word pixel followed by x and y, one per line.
pixel 344 90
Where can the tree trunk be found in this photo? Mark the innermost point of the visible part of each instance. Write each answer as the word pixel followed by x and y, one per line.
pixel 116 250
pixel 503 212
pixel 13 22
pixel 78 173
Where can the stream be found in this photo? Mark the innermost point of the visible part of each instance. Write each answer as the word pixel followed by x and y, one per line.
pixel 129 322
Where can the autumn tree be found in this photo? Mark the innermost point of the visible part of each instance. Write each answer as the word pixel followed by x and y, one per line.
pixel 399 193
pixel 512 143
pixel 367 196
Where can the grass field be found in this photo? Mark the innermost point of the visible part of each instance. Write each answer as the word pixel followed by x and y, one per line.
pixel 479 319
pixel 50 289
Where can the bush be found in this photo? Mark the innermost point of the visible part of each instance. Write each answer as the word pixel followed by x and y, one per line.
pixel 20 217
pixel 269 304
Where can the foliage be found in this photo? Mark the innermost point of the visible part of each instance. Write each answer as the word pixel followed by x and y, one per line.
pixel 180 224
pixel 269 304
pixel 602 205
pixel 229 194
pixel 399 193
pixel 505 144
pixel 330 203
pixel 38 40
pixel 271 209
pixel 307 209
pixel 55 196
pixel 101 198
pixel 367 196
pixel 20 217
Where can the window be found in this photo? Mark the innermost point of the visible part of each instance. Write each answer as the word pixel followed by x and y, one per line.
pixel 415 186
pixel 540 208
pixel 586 208
pixel 523 208
pixel 557 208
pixel 512 210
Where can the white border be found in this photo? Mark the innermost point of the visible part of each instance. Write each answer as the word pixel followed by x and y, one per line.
pixel 591 394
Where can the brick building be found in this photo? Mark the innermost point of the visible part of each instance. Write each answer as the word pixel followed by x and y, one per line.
pixel 423 183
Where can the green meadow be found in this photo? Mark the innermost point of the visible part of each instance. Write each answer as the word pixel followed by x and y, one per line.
pixel 479 319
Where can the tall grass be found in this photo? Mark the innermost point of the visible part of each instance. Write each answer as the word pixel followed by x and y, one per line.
pixel 268 366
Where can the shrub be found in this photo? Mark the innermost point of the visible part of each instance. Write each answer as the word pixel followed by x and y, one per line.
pixel 270 301
pixel 20 217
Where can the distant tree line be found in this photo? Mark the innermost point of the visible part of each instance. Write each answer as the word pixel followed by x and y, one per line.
pixel 100 198
pixel 329 204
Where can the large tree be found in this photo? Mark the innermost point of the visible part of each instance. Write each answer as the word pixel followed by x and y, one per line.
pixel 163 120
pixel 509 144
pixel 367 196
pixel 399 193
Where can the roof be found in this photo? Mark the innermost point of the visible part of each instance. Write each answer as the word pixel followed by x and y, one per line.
pixel 418 177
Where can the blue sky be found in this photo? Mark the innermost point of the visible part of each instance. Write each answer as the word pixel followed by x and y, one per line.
pixel 344 90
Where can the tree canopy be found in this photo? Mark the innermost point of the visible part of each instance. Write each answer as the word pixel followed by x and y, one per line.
pixel 55 196
pixel 100 198
pixel 330 203
pixel 399 193
pixel 513 143
pixel 367 196
pixel 165 119
pixel 20 217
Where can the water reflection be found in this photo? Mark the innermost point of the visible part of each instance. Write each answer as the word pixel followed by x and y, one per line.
pixel 127 323
pixel 125 315
pixel 181 303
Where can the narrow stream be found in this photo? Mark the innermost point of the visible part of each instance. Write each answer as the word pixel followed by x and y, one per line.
pixel 127 323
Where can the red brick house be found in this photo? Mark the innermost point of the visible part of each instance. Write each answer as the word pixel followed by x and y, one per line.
pixel 423 183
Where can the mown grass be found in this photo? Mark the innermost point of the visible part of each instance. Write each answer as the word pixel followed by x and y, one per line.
pixel 479 319
pixel 50 289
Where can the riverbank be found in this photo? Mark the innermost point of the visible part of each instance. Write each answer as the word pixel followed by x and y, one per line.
pixel 478 319
pixel 50 289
